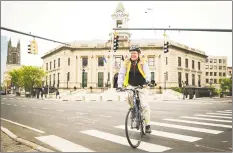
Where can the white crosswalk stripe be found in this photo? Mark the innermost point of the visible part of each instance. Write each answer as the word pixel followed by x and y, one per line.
pixel 204 130
pixel 207 119
pixel 219 114
pixel 200 123
pixel 224 112
pixel 62 144
pixel 168 135
pixel 213 116
pixel 123 141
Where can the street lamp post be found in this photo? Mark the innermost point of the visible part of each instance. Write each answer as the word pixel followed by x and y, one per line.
pixel 211 88
pixel 183 82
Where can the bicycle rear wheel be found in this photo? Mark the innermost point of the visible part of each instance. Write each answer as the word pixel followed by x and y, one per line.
pixel 131 127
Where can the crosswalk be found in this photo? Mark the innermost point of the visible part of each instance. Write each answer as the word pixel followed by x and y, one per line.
pixel 199 127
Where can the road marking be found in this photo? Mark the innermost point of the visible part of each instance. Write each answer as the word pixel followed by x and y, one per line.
pixel 211 148
pixel 15 105
pixel 3 103
pixel 228 110
pixel 105 116
pixel 224 112
pixel 168 135
pixel 207 119
pixel 4 98
pixel 44 108
pixel 33 107
pixel 60 110
pixel 23 125
pixel 186 128
pixel 23 106
pixel 62 144
pixel 123 141
pixel 200 123
pixel 8 104
pixel 214 116
pixel 219 114
pixel 61 124
pixel 80 113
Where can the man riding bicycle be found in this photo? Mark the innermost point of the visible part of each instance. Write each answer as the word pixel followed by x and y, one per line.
pixel 135 72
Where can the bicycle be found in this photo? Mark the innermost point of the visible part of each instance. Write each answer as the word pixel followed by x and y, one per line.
pixel 136 115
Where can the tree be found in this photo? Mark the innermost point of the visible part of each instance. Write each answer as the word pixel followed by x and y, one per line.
pixel 27 77
pixel 226 84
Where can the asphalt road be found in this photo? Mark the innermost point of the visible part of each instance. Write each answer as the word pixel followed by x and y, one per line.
pixel 187 126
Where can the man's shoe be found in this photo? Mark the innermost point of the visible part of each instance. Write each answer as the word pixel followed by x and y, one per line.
pixel 148 129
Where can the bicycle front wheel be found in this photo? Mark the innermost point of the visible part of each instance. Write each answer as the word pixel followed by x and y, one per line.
pixel 132 129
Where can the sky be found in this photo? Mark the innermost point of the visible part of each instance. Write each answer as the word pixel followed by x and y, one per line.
pixel 76 20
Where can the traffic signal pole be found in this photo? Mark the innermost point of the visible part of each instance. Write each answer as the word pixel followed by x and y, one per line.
pixel 177 29
pixel 111 61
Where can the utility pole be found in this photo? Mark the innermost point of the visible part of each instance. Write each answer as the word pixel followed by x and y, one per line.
pixel 111 61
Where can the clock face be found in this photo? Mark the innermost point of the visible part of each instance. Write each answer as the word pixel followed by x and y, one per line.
pixel 119 13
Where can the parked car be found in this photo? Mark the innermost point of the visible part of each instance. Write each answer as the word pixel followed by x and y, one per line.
pixel 3 92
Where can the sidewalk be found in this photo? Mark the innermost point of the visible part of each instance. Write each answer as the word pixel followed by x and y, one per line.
pixel 9 145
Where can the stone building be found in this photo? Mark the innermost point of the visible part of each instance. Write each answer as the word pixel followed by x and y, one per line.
pixel 89 61
pixel 216 68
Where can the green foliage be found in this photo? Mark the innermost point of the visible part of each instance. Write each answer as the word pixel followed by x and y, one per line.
pixel 177 89
pixel 226 84
pixel 27 77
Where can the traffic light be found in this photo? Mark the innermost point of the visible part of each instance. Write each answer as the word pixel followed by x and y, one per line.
pixel 166 47
pixel 33 48
pixel 115 42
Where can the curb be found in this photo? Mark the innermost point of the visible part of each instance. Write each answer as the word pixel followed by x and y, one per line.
pixel 25 142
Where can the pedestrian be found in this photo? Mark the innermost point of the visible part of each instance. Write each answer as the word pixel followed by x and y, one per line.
pixel 57 93
pixel 42 93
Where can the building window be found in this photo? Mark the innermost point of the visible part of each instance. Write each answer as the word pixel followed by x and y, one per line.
pixel 207 73
pixel 68 61
pixel 207 80
pixel 100 79
pixel 207 67
pixel 220 61
pixel 100 61
pixel 199 65
pixel 186 63
pixel 211 67
pixel 53 80
pixel 199 80
pixel 211 80
pixel 224 67
pixel 215 60
pixel 58 79
pixel 50 78
pixel 224 61
pixel 179 61
pixel 108 76
pixel 215 80
pixel 14 58
pixel 166 61
pixel 68 76
pixel 193 79
pixel 152 76
pixel 47 66
pixel 207 60
pixel 211 73
pixel 220 67
pixel 50 65
pixel 54 64
pixel 85 79
pixel 58 62
pixel 224 74
pixel 167 76
pixel 186 78
pixel 151 61
pixel 179 79
pixel 220 74
pixel 211 60
pixel 85 61
pixel 215 73
pixel 193 64
pixel 215 67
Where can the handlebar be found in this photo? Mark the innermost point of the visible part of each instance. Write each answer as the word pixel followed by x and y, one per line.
pixel 138 87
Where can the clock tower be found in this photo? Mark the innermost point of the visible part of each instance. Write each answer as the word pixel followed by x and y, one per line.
pixel 120 19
